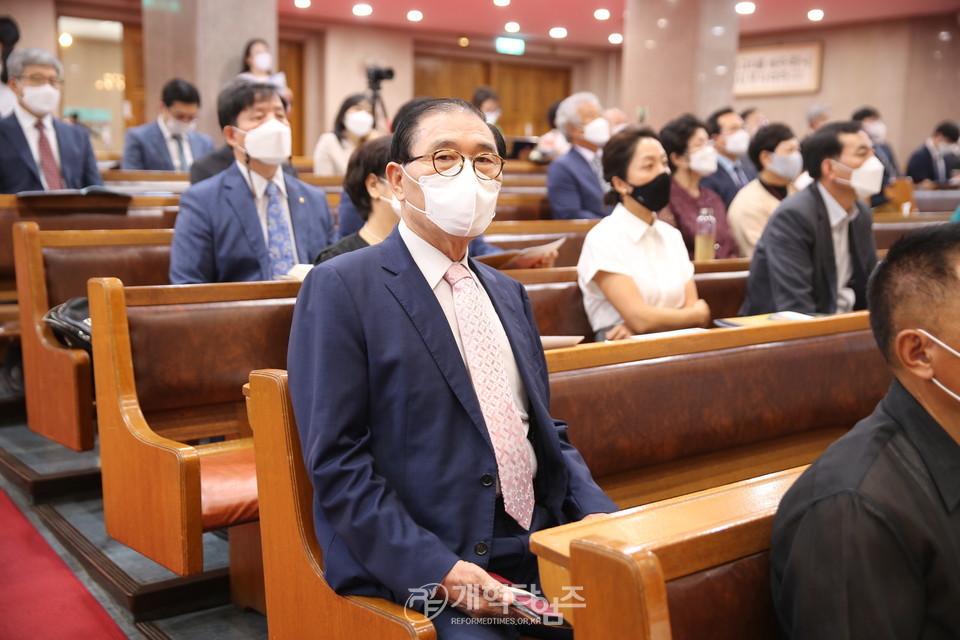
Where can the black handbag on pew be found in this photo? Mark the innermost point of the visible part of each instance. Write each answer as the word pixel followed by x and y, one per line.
pixel 70 322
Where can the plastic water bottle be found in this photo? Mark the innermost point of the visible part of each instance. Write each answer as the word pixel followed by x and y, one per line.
pixel 704 247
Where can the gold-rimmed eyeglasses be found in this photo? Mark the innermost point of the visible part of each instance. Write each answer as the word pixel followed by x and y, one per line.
pixel 449 163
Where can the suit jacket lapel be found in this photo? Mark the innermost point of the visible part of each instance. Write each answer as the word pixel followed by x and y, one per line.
pixel 407 284
pixel 158 145
pixel 828 258
pixel 243 207
pixel 15 134
pixel 299 218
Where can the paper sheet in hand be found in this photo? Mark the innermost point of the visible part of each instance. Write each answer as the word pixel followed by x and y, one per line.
pixel 505 259
pixel 297 272
pixel 558 342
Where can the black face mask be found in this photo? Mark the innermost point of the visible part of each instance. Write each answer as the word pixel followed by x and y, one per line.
pixel 654 195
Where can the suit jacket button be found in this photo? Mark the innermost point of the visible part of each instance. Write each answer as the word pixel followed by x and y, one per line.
pixel 481 548
pixel 486 480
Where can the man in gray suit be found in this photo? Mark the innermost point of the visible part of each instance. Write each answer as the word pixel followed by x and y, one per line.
pixel 170 143
pixel 817 251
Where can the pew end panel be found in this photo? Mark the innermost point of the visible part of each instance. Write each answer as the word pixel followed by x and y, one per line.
pixel 52 267
pixel 174 360
pixel 299 601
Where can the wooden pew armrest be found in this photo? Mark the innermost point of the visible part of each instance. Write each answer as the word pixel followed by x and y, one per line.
pixel 225 446
pixel 419 625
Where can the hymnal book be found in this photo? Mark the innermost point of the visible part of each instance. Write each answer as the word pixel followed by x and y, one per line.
pixel 763 318
pixel 532 608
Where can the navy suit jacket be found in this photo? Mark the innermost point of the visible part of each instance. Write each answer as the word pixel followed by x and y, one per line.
pixel 721 182
pixel 18 170
pixel 218 236
pixel 794 267
pixel 573 189
pixel 146 149
pixel 920 166
pixel 392 432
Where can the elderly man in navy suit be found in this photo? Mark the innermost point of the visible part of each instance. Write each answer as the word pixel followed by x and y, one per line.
pixel 251 221
pixel 420 390
pixel 575 184
pixel 170 143
pixel 37 151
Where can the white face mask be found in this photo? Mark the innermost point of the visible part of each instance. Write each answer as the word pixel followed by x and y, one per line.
pixel 952 351
pixel 787 167
pixel 394 203
pixel 876 129
pixel 737 143
pixel 491 116
pixel 704 161
pixel 41 100
pixel 597 131
pixel 867 179
pixel 270 142
pixel 463 205
pixel 262 61
pixel 177 127
pixel 359 123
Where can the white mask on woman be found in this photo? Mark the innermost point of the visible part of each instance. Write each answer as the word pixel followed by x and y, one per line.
pixel 359 123
pixel 463 205
pixel 704 161
pixel 263 61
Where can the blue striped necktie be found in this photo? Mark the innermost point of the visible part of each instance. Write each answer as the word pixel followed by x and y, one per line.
pixel 280 238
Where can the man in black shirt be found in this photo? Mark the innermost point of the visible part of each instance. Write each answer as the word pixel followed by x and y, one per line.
pixel 866 544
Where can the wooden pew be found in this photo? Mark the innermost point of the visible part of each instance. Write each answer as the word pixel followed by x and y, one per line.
pixel 52 267
pixel 662 417
pixel 672 569
pixel 134 181
pixel 170 363
pixel 886 233
pixel 300 604
pixel 81 212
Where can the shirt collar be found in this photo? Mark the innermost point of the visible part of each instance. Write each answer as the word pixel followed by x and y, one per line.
pixel 835 212
pixel 432 262
pixel 163 128
pixel 29 121
pixel 634 227
pixel 932 148
pixel 940 452
pixel 726 162
pixel 258 184
pixel 587 154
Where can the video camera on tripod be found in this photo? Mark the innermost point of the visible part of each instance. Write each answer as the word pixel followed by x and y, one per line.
pixel 376 75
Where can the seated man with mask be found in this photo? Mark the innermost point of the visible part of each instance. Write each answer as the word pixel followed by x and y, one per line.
pixel 866 544
pixel 575 184
pixel 252 221
pixel 420 390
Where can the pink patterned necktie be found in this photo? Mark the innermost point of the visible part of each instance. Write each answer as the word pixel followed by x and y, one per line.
pixel 48 164
pixel 485 363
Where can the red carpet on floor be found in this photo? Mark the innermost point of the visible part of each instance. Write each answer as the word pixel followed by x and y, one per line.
pixel 39 596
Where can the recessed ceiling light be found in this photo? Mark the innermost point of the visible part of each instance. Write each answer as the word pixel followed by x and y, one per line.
pixel 663 23
pixel 745 8
pixel 602 14
pixel 65 39
pixel 512 27
pixel 717 30
pixel 362 9
pixel 463 42
pixel 558 32
pixel 414 15
pixel 502 3
pixel 815 15
pixel 615 38
pixel 944 36
pixel 301 4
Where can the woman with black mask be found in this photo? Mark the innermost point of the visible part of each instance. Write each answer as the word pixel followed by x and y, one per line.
pixel 634 270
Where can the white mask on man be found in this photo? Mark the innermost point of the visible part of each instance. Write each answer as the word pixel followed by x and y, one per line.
pixel 953 351
pixel 41 100
pixel 177 127
pixel 270 143
pixel 737 143
pixel 463 205
pixel 597 131
pixel 867 179
pixel 876 129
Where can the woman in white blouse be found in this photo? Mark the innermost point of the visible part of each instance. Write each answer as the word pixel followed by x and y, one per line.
pixel 635 272
pixel 353 126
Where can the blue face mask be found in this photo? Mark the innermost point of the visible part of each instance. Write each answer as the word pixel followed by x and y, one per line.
pixel 951 350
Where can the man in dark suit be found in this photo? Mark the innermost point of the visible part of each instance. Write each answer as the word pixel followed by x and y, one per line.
pixel 869 118
pixel 398 355
pixel 935 160
pixel 250 222
pixel 169 144
pixel 731 140
pixel 817 251
pixel 37 151
pixel 575 183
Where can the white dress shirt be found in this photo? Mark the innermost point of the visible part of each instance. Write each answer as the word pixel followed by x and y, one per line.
pixel 593 158
pixel 840 220
pixel 653 256
pixel 258 187
pixel 174 149
pixel 433 263
pixel 28 122
pixel 939 164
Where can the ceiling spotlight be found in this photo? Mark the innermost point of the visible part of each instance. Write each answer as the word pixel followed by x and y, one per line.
pixel 815 15
pixel 745 8
pixel 502 3
pixel 301 4
pixel 663 23
pixel 362 9
pixel 463 42
pixel 65 39
pixel 615 38
pixel 512 27
pixel 414 15
pixel 558 32
pixel 602 14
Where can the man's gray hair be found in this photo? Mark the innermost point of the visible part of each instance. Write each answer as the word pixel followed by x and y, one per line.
pixel 816 112
pixel 20 59
pixel 567 111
